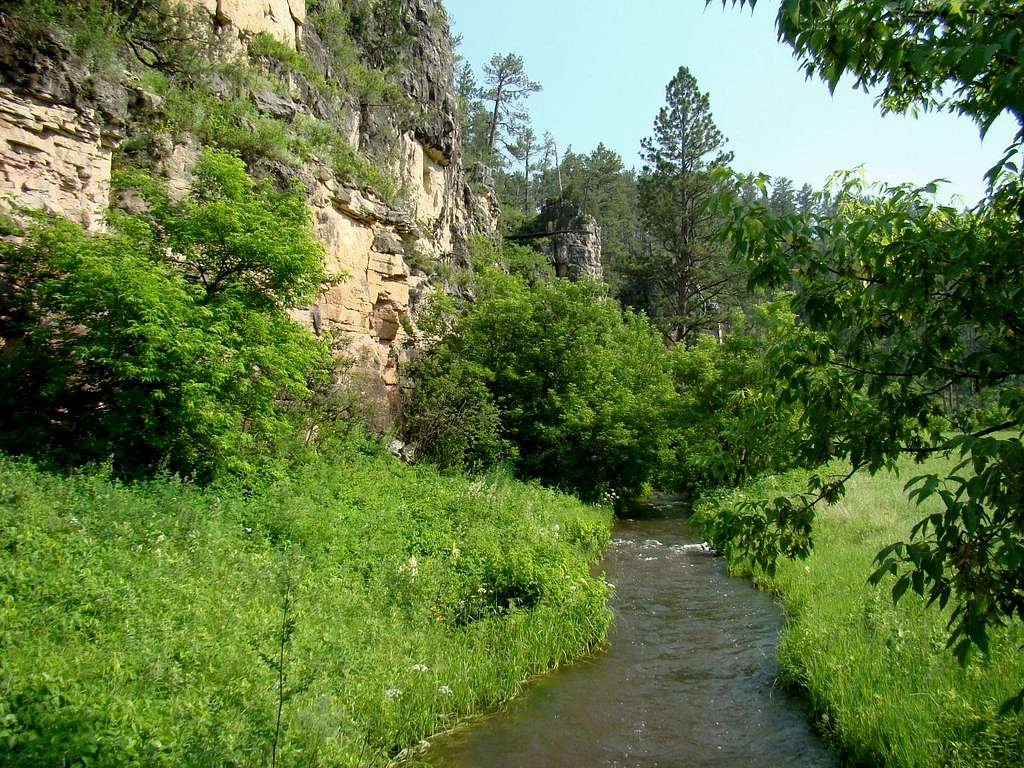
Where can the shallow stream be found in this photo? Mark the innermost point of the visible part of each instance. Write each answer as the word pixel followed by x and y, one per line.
pixel 688 679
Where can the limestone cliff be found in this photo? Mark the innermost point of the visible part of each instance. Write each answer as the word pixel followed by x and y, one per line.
pixel 62 130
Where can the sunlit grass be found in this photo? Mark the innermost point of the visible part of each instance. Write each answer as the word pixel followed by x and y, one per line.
pixel 882 686
pixel 144 625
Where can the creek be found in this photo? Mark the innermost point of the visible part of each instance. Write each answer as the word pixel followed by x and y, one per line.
pixel 688 678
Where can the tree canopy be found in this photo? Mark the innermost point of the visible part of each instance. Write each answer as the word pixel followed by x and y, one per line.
pixel 551 376
pixel 903 300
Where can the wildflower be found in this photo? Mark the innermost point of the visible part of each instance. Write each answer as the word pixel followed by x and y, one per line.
pixel 393 693
pixel 444 690
pixel 419 667
pixel 412 566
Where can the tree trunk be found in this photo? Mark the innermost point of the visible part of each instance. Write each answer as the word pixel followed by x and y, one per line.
pixel 493 129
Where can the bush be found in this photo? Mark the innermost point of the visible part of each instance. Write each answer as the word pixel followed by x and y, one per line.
pixel 581 390
pixel 730 425
pixel 163 344
pixel 456 425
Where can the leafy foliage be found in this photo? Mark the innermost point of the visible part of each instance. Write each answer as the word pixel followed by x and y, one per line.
pixel 916 50
pixel 900 304
pixel 581 391
pixel 730 423
pixel 163 344
pixel 904 299
pixel 456 425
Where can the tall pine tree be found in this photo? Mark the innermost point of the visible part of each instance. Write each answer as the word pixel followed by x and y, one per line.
pixel 683 273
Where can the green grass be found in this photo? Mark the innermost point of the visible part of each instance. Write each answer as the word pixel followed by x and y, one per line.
pixel 146 625
pixel 882 686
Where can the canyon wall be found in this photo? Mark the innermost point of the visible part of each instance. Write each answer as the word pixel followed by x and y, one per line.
pixel 60 128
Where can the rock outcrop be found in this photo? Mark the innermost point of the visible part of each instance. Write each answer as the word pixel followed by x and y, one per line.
pixel 58 130
pixel 54 158
pixel 575 243
pixel 238 20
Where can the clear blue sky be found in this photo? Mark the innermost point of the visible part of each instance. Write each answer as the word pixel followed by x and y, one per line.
pixel 604 65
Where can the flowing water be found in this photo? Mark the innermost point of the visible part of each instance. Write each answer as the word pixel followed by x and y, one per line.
pixel 688 680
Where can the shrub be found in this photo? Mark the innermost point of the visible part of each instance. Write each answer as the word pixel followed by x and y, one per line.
pixel 730 425
pixel 164 343
pixel 581 390
pixel 456 425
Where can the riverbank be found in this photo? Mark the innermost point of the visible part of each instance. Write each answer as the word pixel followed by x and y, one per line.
pixel 883 689
pixel 336 618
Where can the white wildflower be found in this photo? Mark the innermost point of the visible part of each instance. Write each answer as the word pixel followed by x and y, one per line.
pixel 444 690
pixel 419 667
pixel 393 693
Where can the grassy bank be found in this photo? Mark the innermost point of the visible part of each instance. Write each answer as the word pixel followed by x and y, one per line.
pixel 365 603
pixel 882 686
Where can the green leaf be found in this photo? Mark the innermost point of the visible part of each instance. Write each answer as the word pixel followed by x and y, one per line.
pixel 899 588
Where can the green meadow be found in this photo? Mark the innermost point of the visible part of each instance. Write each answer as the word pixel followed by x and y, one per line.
pixel 336 618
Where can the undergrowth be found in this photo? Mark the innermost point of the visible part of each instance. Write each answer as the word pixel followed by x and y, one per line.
pixel 364 603
pixel 883 688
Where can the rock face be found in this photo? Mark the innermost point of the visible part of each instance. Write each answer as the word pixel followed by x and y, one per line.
pixel 367 240
pixel 58 131
pixel 575 243
pixel 241 19
pixel 53 158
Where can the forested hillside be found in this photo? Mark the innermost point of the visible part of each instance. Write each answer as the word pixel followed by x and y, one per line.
pixel 325 371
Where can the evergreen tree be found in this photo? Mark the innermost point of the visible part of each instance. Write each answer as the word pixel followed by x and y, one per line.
pixel 687 279
pixel 527 151
pixel 506 86
pixel 473 116
pixel 783 198
pixel 805 202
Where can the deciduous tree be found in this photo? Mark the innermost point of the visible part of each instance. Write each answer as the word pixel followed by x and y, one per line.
pixel 902 299
pixel 163 343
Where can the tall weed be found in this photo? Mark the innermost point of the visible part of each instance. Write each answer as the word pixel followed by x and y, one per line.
pixel 337 617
